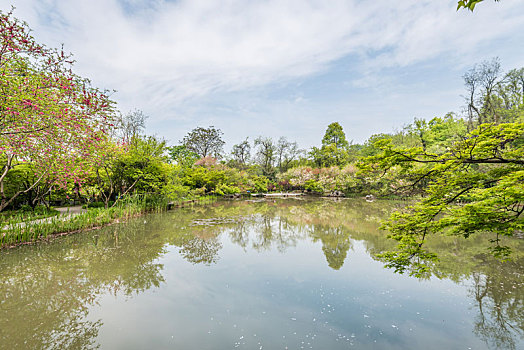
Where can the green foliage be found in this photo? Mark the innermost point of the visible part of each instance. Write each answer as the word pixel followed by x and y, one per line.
pixel 328 156
pixel 142 168
pixel 200 177
pixel 220 179
pixel 204 142
pixel 183 156
pixel 468 4
pixel 257 184
pixel 223 189
pixel 313 186
pixel 335 136
pixel 474 185
pixel 95 205
pixel 334 150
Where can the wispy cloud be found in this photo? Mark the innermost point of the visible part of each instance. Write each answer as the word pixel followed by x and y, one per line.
pixel 161 54
pixel 171 51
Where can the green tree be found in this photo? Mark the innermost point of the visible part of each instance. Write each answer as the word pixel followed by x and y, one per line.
pixel 266 155
pixel 286 153
pixel 205 142
pixel 335 136
pixel 334 150
pixel 182 156
pixel 241 153
pixel 473 185
pixel 143 167
pixel 328 156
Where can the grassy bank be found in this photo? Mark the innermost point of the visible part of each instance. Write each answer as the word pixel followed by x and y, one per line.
pixel 26 213
pixel 21 231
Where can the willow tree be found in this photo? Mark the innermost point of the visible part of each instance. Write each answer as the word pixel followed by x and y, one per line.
pixel 50 117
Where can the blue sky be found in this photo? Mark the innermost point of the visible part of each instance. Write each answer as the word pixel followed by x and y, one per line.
pixel 279 67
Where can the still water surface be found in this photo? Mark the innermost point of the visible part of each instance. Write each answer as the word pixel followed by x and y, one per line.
pixel 284 274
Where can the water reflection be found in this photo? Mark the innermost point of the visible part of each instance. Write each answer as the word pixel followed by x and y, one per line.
pixel 48 290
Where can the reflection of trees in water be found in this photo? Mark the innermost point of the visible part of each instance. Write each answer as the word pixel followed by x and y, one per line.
pixel 335 244
pixel 500 319
pixel 498 287
pixel 46 310
pixel 282 224
pixel 239 233
pixel 272 229
pixel 47 290
pixel 75 334
pixel 265 231
pixel 201 251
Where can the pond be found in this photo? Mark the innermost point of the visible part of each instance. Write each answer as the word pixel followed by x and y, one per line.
pixel 268 274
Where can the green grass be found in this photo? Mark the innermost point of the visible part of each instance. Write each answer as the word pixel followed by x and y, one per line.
pixel 17 231
pixel 11 216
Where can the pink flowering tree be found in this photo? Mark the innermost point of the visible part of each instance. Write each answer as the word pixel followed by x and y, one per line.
pixel 49 116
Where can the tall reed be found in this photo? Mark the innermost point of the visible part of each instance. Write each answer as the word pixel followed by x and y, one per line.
pixel 16 231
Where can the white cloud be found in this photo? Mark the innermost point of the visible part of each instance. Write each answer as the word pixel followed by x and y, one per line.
pixel 159 54
pixel 169 51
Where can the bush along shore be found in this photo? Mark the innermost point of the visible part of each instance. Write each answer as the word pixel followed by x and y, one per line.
pixel 20 229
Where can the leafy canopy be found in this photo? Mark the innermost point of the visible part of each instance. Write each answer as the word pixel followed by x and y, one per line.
pixel 205 142
pixel 474 185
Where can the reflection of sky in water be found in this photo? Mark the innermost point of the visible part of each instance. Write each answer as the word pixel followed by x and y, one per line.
pixel 264 283
pixel 274 300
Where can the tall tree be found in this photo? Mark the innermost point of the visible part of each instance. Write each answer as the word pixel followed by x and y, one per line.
pixel 335 136
pixel 205 142
pixel 132 125
pixel 334 150
pixel 241 153
pixel 49 116
pixel 481 82
pixel 266 154
pixel 182 156
pixel 286 152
